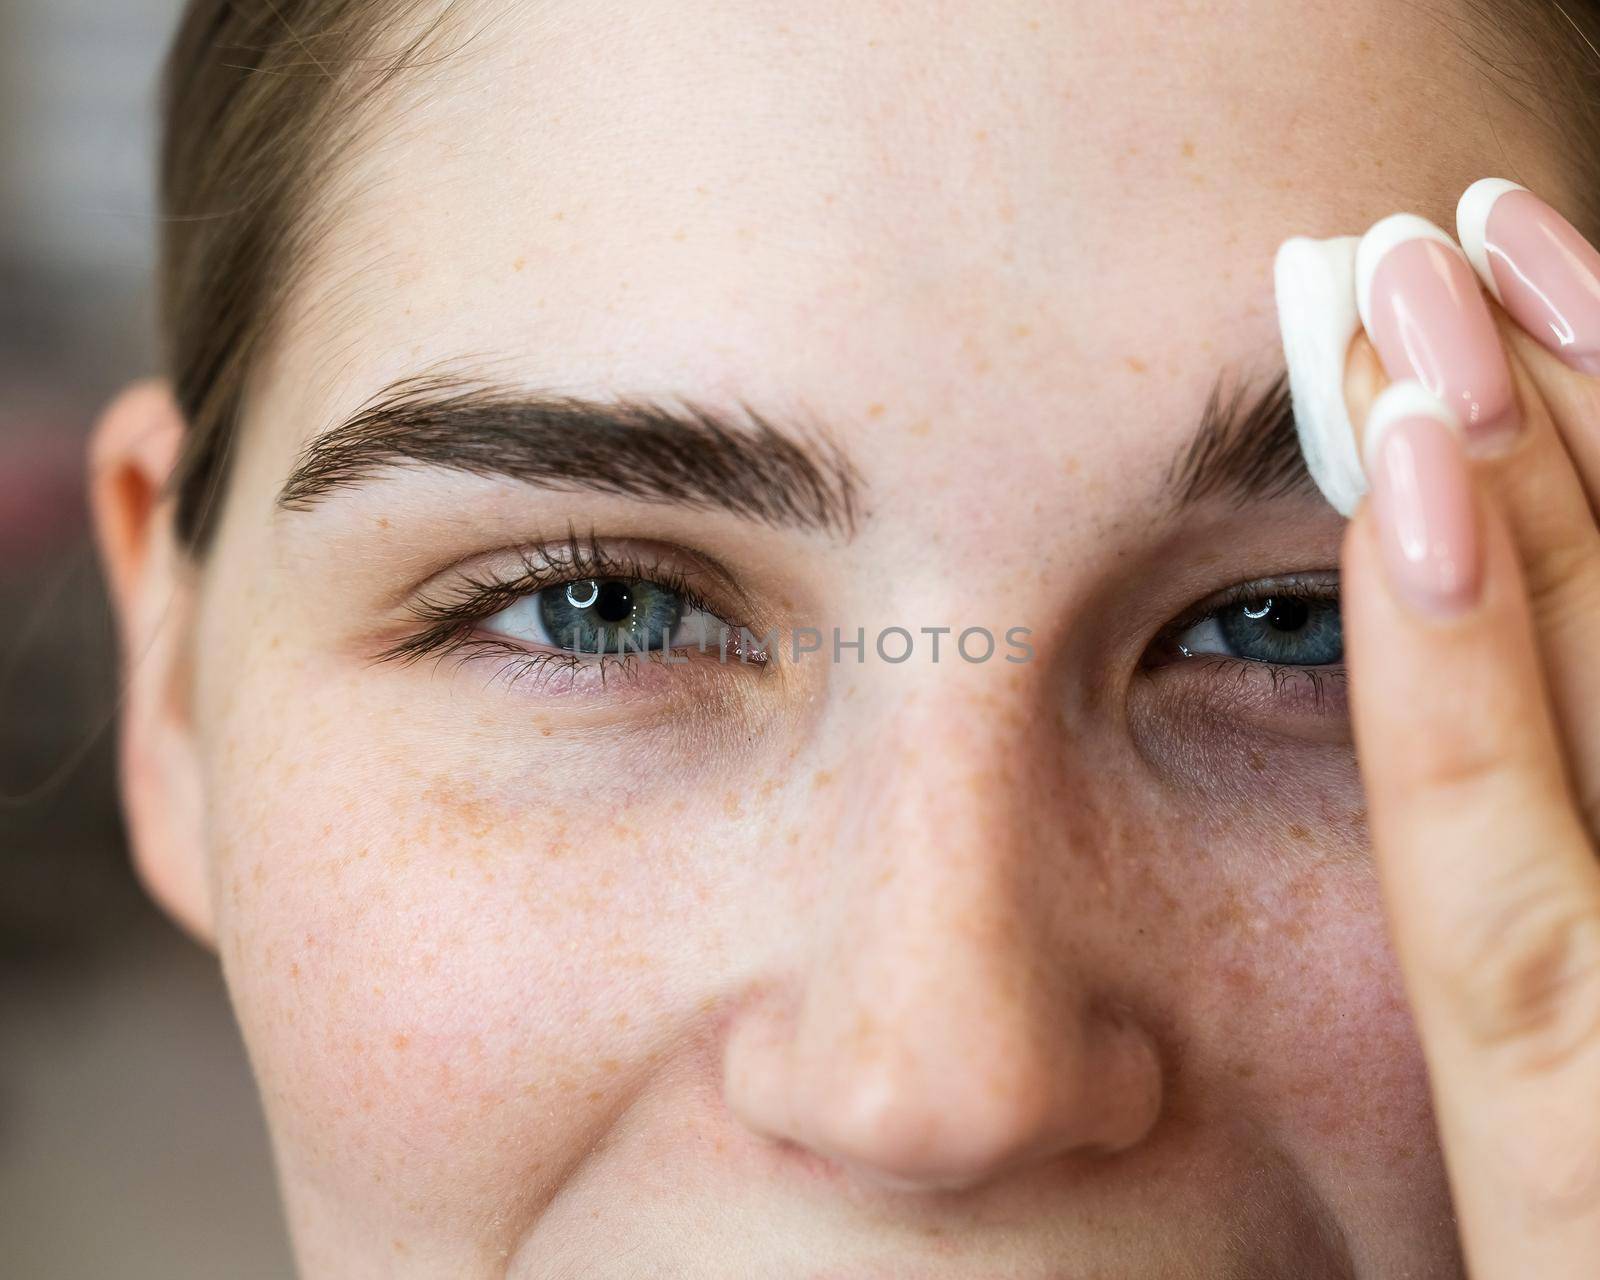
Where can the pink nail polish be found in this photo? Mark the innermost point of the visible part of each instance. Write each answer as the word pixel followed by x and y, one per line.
pixel 1423 309
pixel 1422 500
pixel 1538 265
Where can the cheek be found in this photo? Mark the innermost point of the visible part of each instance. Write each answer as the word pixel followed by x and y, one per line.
pixel 446 993
pixel 1297 1019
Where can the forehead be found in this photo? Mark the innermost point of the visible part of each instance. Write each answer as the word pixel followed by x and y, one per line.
pixel 970 212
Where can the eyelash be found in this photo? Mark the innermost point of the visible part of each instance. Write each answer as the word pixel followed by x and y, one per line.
pixel 449 620
pixel 1319 681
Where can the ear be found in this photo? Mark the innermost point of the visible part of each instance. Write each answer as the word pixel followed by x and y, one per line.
pixel 132 453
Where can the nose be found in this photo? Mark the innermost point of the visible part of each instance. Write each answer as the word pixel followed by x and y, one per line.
pixel 946 1028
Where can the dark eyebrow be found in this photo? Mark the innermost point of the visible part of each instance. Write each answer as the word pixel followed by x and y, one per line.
pixel 683 453
pixel 1245 448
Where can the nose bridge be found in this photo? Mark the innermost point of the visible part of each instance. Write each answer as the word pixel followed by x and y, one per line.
pixel 949 767
pixel 939 953
pixel 942 1030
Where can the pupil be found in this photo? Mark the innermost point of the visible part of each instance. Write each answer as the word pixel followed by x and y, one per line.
pixel 1281 613
pixel 615 603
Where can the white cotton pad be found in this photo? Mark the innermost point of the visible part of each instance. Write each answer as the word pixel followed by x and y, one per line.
pixel 1315 282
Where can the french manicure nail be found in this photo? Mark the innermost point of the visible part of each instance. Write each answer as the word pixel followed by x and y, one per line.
pixel 1422 500
pixel 1537 265
pixel 1421 306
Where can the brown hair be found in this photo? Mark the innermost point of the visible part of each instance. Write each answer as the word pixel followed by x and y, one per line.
pixel 264 97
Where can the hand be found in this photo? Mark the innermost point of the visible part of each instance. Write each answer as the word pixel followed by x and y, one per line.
pixel 1471 597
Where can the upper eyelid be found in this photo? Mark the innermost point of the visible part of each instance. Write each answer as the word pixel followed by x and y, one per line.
pixel 449 623
pixel 592 556
pixel 1300 583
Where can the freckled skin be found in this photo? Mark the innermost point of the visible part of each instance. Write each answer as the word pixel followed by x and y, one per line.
pixel 951 969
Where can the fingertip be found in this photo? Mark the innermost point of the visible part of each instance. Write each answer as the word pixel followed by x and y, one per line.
pixel 1472 222
pixel 1382 236
pixel 1364 381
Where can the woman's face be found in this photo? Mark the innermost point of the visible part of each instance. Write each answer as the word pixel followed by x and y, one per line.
pixel 1065 965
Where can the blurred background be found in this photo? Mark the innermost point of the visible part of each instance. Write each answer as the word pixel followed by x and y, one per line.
pixel 131 1141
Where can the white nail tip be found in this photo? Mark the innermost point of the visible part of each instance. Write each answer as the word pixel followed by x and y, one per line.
pixel 1314 281
pixel 1472 225
pixel 1407 398
pixel 1383 235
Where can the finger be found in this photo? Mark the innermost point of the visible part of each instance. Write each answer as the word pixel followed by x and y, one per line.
pixel 1546 275
pixel 1489 882
pixel 1429 320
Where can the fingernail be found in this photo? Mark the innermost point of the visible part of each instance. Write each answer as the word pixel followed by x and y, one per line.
pixel 1537 266
pixel 1314 282
pixel 1424 312
pixel 1422 500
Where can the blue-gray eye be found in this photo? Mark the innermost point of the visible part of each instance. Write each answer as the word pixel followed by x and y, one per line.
pixel 606 615
pixel 1283 629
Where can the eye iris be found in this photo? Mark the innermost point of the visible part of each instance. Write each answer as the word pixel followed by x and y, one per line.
pixel 1288 630
pixel 610 615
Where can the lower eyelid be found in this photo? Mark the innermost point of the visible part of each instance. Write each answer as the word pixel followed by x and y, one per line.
pixel 1261 691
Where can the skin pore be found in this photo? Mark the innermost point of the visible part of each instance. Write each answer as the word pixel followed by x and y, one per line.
pixel 1066 968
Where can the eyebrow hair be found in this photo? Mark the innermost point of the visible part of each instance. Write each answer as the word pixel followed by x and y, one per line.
pixel 685 453
pixel 1244 448
pixel 692 455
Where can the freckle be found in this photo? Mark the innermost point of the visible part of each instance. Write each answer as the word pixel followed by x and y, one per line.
pixel 1135 364
pixel 519 264
pixel 821 778
pixel 1297 832
pixel 383 522
pixel 981 136
pixel 1188 148
pixel 560 216
pixel 874 410
pixel 919 428
pixel 620 1020
pixel 401 1041
pixel 1363 45
pixel 594 1095
pixel 294 970
pixel 1244 1070
pixel 1022 331
pixel 1256 761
